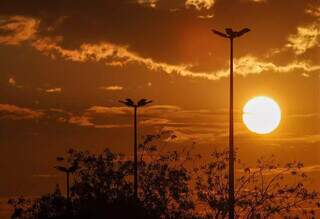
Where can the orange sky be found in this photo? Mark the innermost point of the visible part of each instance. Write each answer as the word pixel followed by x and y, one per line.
pixel 65 65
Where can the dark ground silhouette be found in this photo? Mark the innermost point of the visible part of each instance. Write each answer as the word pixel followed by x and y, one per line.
pixel 171 185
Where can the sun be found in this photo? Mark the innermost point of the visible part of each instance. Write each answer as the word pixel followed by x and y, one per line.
pixel 261 115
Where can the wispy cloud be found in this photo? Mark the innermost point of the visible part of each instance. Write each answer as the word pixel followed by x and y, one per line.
pixel 148 3
pixel 111 53
pixel 108 110
pixel 112 88
pixel 311 168
pixel 188 125
pixel 86 121
pixel 307 37
pixel 305 115
pixel 208 16
pixel 258 1
pixel 12 82
pixel 91 116
pixel 314 10
pixel 54 90
pixel 22 28
pixel 312 138
pixel 45 176
pixel 252 65
pixel 9 111
pixel 17 29
pixel 81 120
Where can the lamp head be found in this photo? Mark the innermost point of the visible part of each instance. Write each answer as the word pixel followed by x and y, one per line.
pixel 60 158
pixel 73 168
pixel 231 33
pixel 219 33
pixel 242 32
pixel 144 102
pixel 61 168
pixel 128 102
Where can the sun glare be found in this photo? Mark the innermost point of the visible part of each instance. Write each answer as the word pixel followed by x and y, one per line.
pixel 261 115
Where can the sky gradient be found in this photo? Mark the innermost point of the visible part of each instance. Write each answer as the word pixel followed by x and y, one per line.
pixel 65 65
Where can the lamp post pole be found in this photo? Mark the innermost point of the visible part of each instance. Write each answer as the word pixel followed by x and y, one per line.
pixel 230 34
pixel 135 154
pixel 68 170
pixel 231 138
pixel 128 102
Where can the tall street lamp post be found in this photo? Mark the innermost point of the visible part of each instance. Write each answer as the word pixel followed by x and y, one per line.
pixel 231 35
pixel 128 102
pixel 67 170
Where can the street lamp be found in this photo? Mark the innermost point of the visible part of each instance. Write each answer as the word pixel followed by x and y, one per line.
pixel 128 102
pixel 67 170
pixel 231 34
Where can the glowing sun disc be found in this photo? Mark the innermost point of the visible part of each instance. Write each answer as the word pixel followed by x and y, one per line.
pixel 261 115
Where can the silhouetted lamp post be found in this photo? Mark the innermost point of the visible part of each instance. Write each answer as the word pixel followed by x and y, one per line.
pixel 67 170
pixel 231 35
pixel 128 102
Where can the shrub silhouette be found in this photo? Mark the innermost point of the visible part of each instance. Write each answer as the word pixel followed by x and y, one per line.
pixel 170 188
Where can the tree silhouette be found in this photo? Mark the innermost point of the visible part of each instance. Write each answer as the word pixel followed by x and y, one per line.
pixel 52 205
pixel 265 191
pixel 170 188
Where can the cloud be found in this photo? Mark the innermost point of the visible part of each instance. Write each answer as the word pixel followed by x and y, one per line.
pixel 155 121
pixel 160 109
pixel 8 111
pixel 111 53
pixel 54 90
pixel 12 82
pixel 307 37
pixel 112 88
pixel 202 126
pixel 200 4
pixel 149 3
pixel 185 134
pixel 86 121
pixel 17 29
pixel 108 110
pixel 91 117
pixel 252 65
pixel 80 120
pixel 311 168
pixel 258 1
pixel 45 176
pixel 304 138
pixel 208 16
pixel 24 28
pixel 306 115
pixel 313 11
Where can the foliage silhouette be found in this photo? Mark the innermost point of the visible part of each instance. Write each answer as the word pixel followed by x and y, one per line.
pixel 171 186
pixel 266 191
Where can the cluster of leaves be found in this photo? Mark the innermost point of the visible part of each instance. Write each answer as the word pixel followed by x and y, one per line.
pixel 170 186
pixel 52 205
